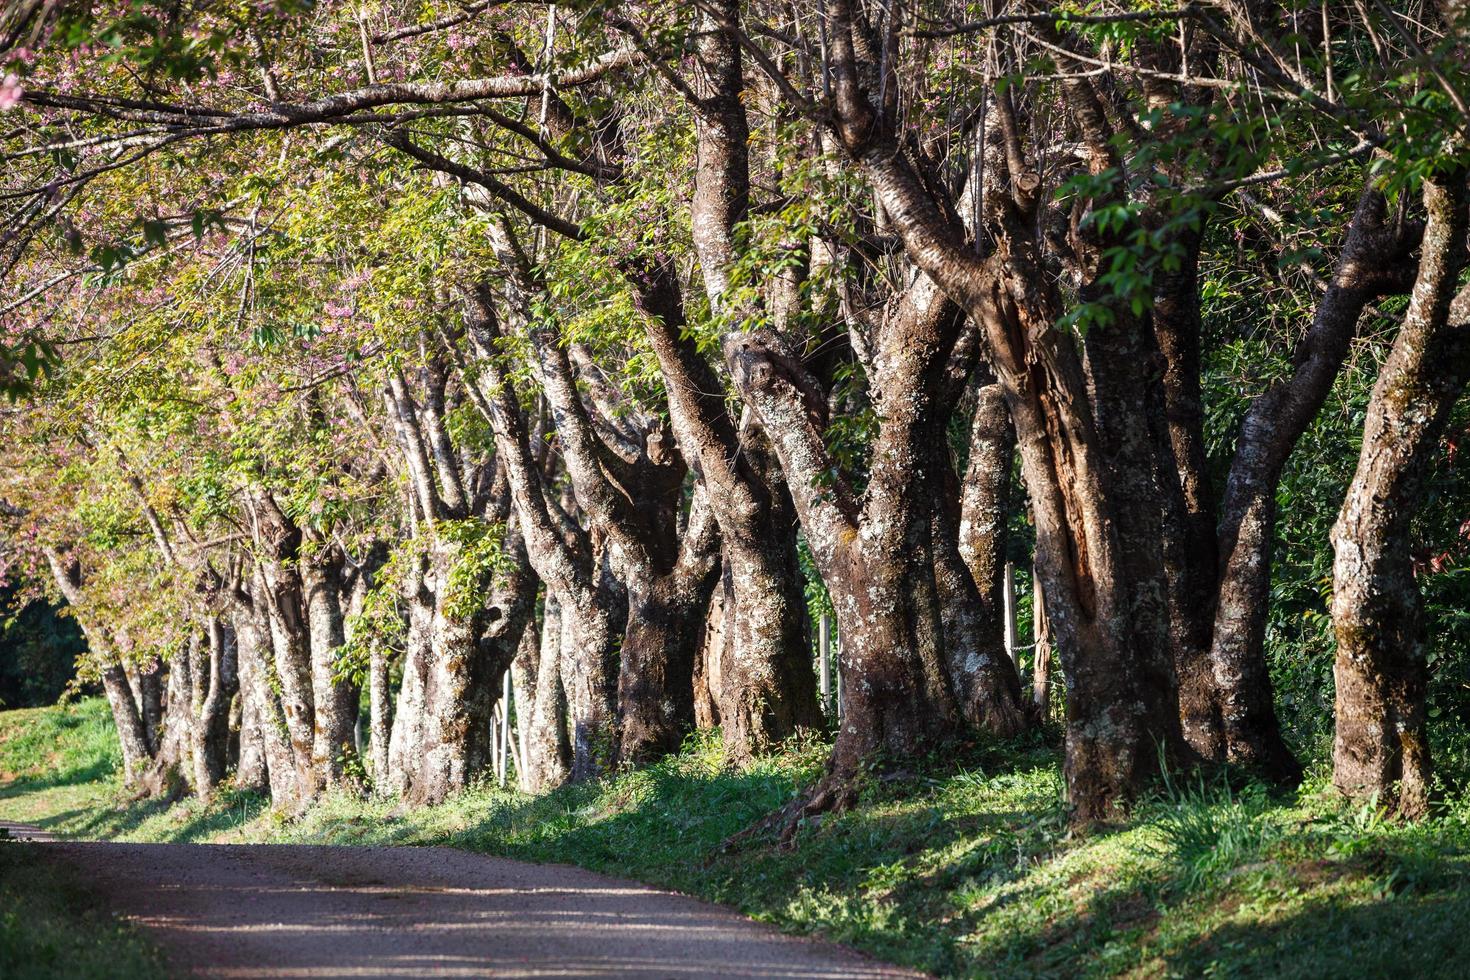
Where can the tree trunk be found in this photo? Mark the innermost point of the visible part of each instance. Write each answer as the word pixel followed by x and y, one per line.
pixel 1372 264
pixel 878 559
pixel 1041 664
pixel 768 684
pixel 213 680
pixel 628 493
pixel 251 769
pixel 462 638
pixel 589 638
pixel 707 662
pixel 171 771
pixel 291 647
pixel 410 710
pixel 380 699
pixel 523 690
pixel 1190 556
pixel 666 616
pixel 334 702
pixel 149 681
pixel 1381 749
pixel 131 734
pixel 257 673
pixel 970 554
pixel 767 687
pixel 548 753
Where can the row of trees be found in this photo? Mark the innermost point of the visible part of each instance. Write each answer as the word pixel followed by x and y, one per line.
pixel 573 340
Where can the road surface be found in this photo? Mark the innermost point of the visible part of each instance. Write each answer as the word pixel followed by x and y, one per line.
pixel 284 911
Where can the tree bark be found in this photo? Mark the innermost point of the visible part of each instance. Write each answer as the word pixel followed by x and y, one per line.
pixel 1372 264
pixel 456 655
pixel 254 646
pixel 258 736
pixel 380 698
pixel 544 723
pixel 132 736
pixel 214 680
pixel 334 702
pixel 767 683
pixel 127 717
pixel 1118 683
pixel 664 635
pixel 628 490
pixel 1190 557
pixel 971 554
pixel 707 661
pixel 1381 748
pixel 562 554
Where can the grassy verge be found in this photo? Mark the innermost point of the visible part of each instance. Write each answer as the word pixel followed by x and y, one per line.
pixel 52 926
pixel 963 870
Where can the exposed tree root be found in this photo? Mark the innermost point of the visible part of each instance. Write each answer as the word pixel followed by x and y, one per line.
pixel 834 793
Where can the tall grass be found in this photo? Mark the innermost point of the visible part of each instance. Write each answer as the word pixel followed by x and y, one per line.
pixel 1209 830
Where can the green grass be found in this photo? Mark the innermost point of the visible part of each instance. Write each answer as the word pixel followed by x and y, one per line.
pixel 52 926
pixel 965 869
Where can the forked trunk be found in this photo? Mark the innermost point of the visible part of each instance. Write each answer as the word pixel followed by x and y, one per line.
pixel 169 774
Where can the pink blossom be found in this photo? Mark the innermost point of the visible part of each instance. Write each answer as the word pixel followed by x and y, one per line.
pixel 10 92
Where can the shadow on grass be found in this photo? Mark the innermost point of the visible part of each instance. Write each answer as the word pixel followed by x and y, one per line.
pixel 1408 935
pixel 94 772
pixel 227 812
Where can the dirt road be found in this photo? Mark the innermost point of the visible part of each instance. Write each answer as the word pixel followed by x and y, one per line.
pixel 276 911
